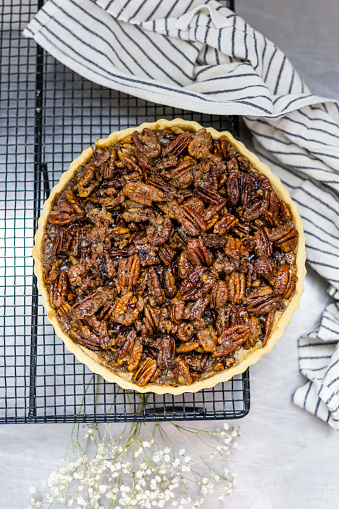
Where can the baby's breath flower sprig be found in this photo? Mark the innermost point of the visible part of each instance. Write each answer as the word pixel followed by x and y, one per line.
pixel 144 467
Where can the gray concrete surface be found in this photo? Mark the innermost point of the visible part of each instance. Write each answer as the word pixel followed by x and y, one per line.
pixel 286 459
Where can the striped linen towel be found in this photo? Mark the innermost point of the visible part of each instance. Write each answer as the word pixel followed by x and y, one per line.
pixel 198 55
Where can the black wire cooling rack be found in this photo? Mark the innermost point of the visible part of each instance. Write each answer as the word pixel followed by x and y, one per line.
pixel 48 116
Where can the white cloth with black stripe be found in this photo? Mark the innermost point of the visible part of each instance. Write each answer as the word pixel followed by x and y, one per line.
pixel 200 56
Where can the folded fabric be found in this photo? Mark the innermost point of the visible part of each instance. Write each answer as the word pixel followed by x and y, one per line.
pixel 199 55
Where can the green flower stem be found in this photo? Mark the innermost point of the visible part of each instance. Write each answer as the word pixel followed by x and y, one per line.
pixel 194 449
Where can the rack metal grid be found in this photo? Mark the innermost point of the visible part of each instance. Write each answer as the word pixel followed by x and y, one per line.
pixel 48 114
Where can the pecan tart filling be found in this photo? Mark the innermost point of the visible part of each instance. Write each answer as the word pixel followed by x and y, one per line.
pixel 169 255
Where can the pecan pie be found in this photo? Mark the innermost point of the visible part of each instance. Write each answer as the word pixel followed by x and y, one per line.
pixel 169 258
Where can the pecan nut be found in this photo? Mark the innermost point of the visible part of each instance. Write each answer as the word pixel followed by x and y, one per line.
pixel 58 290
pixel 285 237
pixel 166 346
pixel 268 327
pixel 232 339
pixel 183 371
pixel 284 283
pixel 201 144
pixel 126 343
pixel 181 176
pixel 209 195
pixel 145 372
pixel 184 265
pixel 207 339
pixel 169 284
pixel 219 295
pixel 236 287
pixel 151 318
pixel 187 347
pixel 90 340
pixel 156 293
pixel 103 265
pixel 255 209
pixel 143 193
pixel 159 230
pixel 166 254
pixel 177 146
pixel 90 304
pixel 198 253
pixel 235 248
pixel 263 246
pixel 265 267
pixel 195 285
pixel 147 143
pixel 191 221
pixel 136 355
pixel 177 309
pixel 128 272
pixel 108 168
pixel 197 308
pixel 225 224
pixel 127 309
pixel 185 331
pixel 53 272
pixel 262 300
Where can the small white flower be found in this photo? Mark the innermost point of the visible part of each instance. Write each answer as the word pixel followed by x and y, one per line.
pixel 167 458
pixel 226 426
pixel 146 445
pixel 32 490
pixel 187 459
pixel 81 501
pixel 220 498
pixel 182 452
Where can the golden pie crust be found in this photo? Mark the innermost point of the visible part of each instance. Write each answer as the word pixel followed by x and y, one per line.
pixel 244 357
